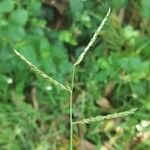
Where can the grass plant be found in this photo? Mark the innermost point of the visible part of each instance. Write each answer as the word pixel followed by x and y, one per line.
pixel 70 88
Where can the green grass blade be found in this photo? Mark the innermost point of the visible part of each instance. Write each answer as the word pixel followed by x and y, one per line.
pixel 93 39
pixel 101 118
pixel 34 69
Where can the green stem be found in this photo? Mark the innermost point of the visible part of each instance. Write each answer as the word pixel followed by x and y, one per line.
pixel 71 125
pixel 73 75
pixel 71 109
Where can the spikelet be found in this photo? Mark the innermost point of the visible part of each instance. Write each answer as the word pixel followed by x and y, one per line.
pixel 101 118
pixel 93 39
pixel 40 73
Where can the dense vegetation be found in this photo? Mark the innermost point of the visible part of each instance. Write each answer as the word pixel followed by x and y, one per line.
pixel 113 77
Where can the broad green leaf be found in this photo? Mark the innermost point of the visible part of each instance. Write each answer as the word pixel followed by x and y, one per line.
pixel 139 88
pixel 67 37
pixel 130 35
pixel 133 64
pixel 103 63
pixel 19 16
pixel 146 9
pixel 6 6
pixel 16 33
pixel 44 48
pixel 35 7
pixel 76 6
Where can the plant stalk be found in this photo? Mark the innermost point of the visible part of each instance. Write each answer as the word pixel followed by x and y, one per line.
pixel 71 125
pixel 71 108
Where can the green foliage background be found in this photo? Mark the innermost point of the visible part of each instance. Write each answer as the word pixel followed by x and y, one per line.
pixel 120 57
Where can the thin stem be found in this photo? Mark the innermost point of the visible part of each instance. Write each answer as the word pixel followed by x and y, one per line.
pixel 71 125
pixel 71 109
pixel 73 75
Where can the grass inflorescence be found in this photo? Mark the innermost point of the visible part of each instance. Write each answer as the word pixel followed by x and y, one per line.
pixel 50 80
pixel 102 118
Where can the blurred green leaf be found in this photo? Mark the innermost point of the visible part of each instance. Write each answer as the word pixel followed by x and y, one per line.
pixel 139 88
pixel 35 7
pixel 68 37
pixel 19 17
pixel 129 34
pixel 146 9
pixel 6 6
pixel 16 33
pixel 76 6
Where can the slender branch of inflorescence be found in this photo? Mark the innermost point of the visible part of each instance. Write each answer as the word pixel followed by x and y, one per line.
pixel 34 69
pixel 93 39
pixel 101 118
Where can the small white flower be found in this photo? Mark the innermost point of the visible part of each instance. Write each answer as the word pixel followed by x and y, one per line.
pixel 145 123
pixel 18 130
pixel 48 88
pixel 138 127
pixel 9 81
pixel 134 95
